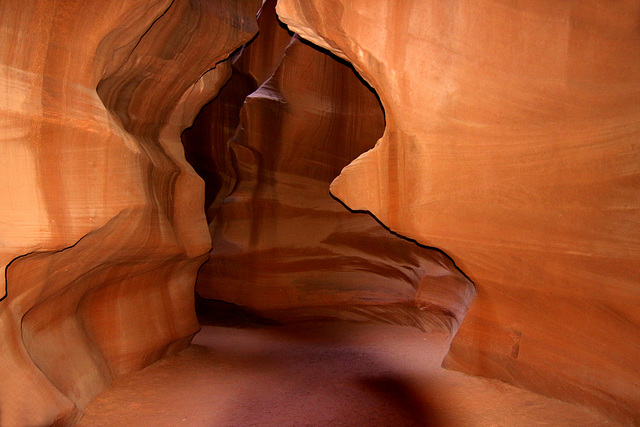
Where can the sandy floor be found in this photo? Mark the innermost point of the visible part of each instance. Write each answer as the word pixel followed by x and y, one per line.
pixel 324 374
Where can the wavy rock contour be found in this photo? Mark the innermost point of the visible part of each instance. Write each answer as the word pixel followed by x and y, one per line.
pixel 101 220
pixel 511 144
pixel 282 246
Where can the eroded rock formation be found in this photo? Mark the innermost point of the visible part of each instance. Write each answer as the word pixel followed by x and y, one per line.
pixel 101 220
pixel 282 246
pixel 508 140
pixel 511 143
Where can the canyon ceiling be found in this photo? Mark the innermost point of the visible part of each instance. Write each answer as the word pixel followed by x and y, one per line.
pixel 415 163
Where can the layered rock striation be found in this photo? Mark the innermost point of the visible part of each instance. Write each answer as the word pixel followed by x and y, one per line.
pixel 504 133
pixel 282 246
pixel 101 221
pixel 511 143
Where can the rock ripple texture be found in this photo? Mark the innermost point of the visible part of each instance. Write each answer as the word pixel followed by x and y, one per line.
pixel 101 221
pixel 282 245
pixel 511 143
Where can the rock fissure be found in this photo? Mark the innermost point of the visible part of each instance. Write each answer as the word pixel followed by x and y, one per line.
pixel 309 186
pixel 296 253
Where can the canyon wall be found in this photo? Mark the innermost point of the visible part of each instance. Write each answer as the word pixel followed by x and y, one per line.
pixel 511 143
pixel 282 246
pixel 102 225
pixel 503 132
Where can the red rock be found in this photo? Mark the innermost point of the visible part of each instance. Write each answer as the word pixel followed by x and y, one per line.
pixel 511 144
pixel 282 246
pixel 101 220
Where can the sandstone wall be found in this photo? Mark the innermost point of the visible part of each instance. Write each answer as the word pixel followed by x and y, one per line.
pixel 508 140
pixel 511 143
pixel 101 222
pixel 282 246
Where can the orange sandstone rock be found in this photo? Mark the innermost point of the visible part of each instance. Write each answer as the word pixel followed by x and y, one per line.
pixel 511 143
pixel 282 245
pixel 101 223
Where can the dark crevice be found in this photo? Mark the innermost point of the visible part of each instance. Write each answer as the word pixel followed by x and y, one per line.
pixel 395 233
pixel 207 144
pixel 221 313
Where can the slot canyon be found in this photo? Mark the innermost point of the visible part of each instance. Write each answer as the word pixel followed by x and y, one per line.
pixel 320 213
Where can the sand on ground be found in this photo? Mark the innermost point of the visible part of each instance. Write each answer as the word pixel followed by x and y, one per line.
pixel 320 374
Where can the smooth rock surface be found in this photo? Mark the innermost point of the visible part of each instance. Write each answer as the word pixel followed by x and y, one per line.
pixel 282 246
pixel 101 224
pixel 511 143
pixel 509 139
